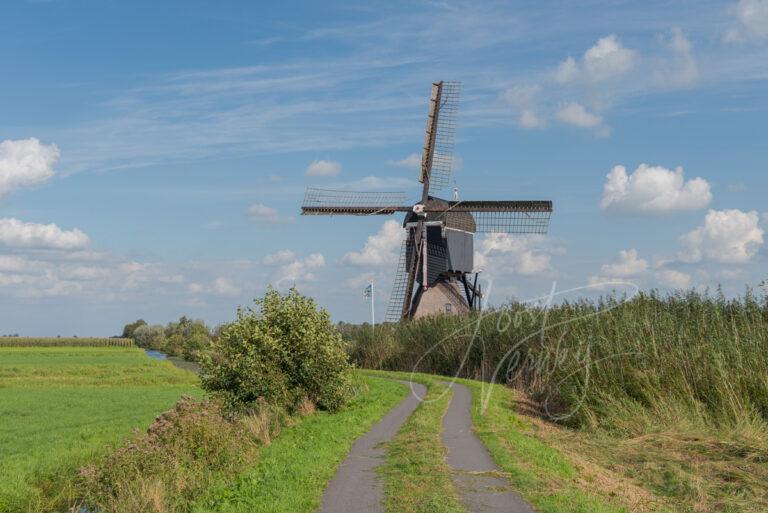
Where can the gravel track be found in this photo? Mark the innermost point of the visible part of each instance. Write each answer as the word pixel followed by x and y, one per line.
pixel 479 489
pixel 356 488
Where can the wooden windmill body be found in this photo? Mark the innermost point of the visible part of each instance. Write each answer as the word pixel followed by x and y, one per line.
pixel 435 273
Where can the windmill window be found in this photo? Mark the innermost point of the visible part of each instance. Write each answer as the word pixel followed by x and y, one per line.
pixel 448 308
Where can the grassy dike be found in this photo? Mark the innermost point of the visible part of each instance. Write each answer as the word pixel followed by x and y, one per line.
pixel 293 471
pixel 541 474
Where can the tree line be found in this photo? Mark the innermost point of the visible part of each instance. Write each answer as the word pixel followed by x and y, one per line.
pixel 187 338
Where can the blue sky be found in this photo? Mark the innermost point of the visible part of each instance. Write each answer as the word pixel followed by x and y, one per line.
pixel 153 155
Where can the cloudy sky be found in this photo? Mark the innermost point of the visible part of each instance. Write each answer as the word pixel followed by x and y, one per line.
pixel 153 155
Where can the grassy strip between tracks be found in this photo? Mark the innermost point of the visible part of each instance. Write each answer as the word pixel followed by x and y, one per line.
pixel 417 478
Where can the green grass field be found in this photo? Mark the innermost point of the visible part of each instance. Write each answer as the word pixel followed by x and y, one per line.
pixel 61 406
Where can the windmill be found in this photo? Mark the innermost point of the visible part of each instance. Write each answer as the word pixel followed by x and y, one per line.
pixel 437 255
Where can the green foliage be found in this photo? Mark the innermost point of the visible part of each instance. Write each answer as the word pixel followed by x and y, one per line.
pixel 187 338
pixel 128 329
pixel 286 351
pixel 150 337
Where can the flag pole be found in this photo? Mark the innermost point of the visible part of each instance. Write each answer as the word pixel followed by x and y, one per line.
pixel 373 317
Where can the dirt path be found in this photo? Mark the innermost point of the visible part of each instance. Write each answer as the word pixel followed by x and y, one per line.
pixel 356 488
pixel 480 491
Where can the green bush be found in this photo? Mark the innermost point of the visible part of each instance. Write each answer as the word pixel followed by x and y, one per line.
pixel 283 353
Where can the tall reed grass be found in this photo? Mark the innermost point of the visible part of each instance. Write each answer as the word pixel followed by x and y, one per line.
pixel 606 363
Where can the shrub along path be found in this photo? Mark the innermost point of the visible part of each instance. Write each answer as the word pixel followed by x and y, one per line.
pixel 356 487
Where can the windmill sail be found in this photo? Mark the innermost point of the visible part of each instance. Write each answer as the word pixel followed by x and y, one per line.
pixel 500 216
pixel 437 157
pixel 397 297
pixel 331 202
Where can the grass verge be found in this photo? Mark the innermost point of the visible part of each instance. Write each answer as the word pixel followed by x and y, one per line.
pixel 293 471
pixel 61 406
pixel 542 474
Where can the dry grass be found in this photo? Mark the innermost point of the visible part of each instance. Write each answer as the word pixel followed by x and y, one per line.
pixel 682 468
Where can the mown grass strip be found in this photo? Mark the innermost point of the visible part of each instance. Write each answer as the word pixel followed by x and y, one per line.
pixel 294 470
pixel 417 478
pixel 541 474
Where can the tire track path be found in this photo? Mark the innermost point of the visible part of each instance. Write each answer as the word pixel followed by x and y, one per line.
pixel 356 487
pixel 479 489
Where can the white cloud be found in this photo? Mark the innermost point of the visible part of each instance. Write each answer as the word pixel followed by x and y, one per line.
pixel 24 163
pixel 323 168
pixel 523 100
pixel 267 215
pixel 372 183
pixel 195 288
pixel 752 18
pixel 680 70
pixel 412 161
pixel 530 119
pixel 19 234
pixel 84 273
pixel 525 255
pixel 380 248
pixel 574 113
pixel 361 280
pixel 300 269
pixel 628 265
pixel 728 236
pixel 567 70
pixel 605 60
pixel 670 278
pixel 732 274
pixel 12 263
pixel 224 287
pixel 281 257
pixel 653 190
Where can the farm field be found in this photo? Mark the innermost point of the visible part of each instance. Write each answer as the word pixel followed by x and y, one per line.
pixel 61 406
pixel 64 342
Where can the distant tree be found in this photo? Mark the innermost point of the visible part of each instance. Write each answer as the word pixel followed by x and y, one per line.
pixel 130 328
pixel 187 338
pixel 150 337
